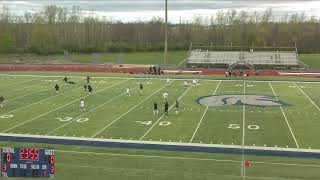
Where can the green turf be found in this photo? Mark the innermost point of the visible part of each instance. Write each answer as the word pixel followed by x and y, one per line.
pixel 312 60
pixel 174 58
pixel 33 107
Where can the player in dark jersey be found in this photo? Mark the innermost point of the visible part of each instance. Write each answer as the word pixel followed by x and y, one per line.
pixel 1 101
pixel 90 89
pixel 85 88
pixel 65 79
pixel 141 88
pixel 56 87
pixel 155 109
pixel 166 108
pixel 88 79
pixel 177 106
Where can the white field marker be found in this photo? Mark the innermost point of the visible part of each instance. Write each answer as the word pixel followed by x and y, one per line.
pixel 163 115
pixel 307 96
pixel 204 113
pixel 117 119
pixel 285 117
pixel 60 107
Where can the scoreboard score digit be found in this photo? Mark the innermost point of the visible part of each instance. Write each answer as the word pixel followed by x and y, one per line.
pixel 27 162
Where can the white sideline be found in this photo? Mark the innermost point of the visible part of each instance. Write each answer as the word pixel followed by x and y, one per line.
pixel 204 113
pixel 164 114
pixel 20 82
pixel 184 158
pixel 168 172
pixel 98 132
pixel 307 96
pixel 281 149
pixel 285 117
pixel 59 107
pixel 29 93
pixel 59 127
pixel 56 95
pixel 243 169
pixel 177 79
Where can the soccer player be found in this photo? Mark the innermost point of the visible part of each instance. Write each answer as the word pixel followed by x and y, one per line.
pixel 141 88
pixel 85 88
pixel 155 108
pixel 194 82
pixel 166 108
pixel 88 79
pixel 185 84
pixel 57 88
pixel 82 105
pixel 168 81
pixel 128 92
pixel 177 106
pixel 65 79
pixel 165 96
pixel 1 101
pixel 90 89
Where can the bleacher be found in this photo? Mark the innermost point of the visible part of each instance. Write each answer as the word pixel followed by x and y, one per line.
pixel 231 59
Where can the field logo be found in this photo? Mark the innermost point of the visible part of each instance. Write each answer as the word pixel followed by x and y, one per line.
pixel 240 99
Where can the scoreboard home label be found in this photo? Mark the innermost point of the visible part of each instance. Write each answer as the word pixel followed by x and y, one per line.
pixel 27 162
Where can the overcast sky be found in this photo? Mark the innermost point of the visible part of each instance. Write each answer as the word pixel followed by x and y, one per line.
pixel 132 10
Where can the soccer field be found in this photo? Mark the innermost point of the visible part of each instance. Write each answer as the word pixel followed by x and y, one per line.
pixel 225 112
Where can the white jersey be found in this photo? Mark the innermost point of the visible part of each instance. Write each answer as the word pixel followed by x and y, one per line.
pixel 128 90
pixel 168 80
pixel 185 83
pixel 194 81
pixel 82 104
pixel 165 95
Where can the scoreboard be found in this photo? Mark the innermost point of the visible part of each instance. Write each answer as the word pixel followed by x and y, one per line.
pixel 27 162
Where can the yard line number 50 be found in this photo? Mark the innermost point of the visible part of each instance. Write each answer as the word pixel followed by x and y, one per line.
pixel 237 126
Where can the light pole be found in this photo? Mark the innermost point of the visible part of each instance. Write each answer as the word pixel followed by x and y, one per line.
pixel 165 34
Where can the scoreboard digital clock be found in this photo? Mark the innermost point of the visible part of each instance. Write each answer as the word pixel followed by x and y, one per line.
pixel 27 162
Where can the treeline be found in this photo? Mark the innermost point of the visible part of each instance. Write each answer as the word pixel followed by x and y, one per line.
pixel 55 29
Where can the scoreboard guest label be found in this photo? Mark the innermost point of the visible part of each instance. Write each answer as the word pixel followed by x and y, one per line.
pixel 27 162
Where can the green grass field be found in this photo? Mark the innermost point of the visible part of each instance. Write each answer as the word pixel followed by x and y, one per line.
pixel 32 107
pixel 174 58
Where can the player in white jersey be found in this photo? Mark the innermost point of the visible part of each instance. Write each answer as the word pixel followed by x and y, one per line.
pixel 128 92
pixel 168 81
pixel 185 84
pixel 82 105
pixel 194 82
pixel 165 96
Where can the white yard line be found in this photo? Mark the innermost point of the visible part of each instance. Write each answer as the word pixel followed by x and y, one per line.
pixel 185 158
pixel 285 117
pixel 204 113
pixel 20 82
pixel 164 114
pixel 56 95
pixel 25 87
pixel 59 107
pixel 29 93
pixel 243 170
pixel 184 60
pixel 104 128
pixel 307 96
pixel 87 113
